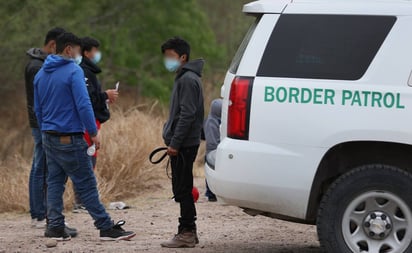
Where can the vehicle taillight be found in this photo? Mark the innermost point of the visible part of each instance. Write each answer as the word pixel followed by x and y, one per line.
pixel 239 108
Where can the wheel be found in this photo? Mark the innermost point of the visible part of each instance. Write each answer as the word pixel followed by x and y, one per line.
pixel 367 210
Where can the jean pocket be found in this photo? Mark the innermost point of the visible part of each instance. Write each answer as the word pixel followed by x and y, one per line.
pixel 80 141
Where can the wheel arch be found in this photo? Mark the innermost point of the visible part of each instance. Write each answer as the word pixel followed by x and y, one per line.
pixel 346 156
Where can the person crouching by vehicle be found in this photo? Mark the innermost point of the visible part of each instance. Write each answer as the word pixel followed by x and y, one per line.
pixel 212 135
pixel 91 56
pixel 181 134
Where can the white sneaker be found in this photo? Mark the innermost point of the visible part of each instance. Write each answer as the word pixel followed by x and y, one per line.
pixel 38 224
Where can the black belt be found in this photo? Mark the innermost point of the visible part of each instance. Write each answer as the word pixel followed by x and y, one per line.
pixel 54 133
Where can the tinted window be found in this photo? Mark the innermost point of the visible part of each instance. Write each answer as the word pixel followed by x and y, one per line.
pixel 324 46
pixel 241 50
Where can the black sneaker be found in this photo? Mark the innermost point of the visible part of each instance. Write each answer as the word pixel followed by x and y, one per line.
pixel 116 233
pixel 71 231
pixel 58 234
pixel 212 199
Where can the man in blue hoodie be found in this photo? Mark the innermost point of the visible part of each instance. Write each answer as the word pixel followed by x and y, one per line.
pixel 64 111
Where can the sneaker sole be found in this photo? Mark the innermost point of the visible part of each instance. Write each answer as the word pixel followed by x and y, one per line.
pixel 125 238
pixel 60 239
pixel 39 226
pixel 179 246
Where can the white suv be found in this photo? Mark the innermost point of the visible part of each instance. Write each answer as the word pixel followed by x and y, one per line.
pixel 317 121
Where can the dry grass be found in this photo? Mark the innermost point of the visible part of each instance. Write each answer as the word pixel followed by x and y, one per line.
pixel 123 169
pixel 14 175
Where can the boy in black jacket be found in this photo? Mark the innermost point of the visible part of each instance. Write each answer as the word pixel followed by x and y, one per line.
pixel 91 57
pixel 37 183
pixel 181 134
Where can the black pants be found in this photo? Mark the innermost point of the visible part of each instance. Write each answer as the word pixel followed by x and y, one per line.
pixel 182 184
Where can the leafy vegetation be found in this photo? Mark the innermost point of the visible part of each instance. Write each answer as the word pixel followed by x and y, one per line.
pixel 131 33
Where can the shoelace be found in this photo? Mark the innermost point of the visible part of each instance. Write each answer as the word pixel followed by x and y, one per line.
pixel 119 225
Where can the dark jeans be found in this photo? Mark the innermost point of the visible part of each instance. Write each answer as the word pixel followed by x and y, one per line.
pixel 182 184
pixel 209 193
pixel 37 184
pixel 67 156
pixel 77 200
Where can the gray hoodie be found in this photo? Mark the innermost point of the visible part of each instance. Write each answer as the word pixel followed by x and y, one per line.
pixel 37 57
pixel 212 125
pixel 184 125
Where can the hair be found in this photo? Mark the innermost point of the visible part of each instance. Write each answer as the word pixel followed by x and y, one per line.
pixel 88 43
pixel 53 34
pixel 179 45
pixel 67 39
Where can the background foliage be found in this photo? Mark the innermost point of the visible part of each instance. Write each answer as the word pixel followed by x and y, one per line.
pixel 131 32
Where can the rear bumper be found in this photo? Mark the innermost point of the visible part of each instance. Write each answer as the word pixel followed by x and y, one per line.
pixel 261 177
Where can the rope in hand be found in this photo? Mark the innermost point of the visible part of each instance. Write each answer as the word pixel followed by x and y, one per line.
pixel 161 158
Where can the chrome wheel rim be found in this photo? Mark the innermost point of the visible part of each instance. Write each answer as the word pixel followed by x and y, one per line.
pixel 377 222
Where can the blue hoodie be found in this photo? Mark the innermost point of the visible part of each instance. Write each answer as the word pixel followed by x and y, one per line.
pixel 61 101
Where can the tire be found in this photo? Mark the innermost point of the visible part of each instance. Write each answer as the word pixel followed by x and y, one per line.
pixel 367 210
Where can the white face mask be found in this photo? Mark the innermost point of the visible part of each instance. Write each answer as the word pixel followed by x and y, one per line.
pixel 78 59
pixel 172 64
pixel 97 57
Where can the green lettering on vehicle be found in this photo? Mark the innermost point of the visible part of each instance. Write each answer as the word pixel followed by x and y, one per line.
pixel 346 95
pixel 269 94
pixel 294 94
pixel 389 100
pixel 365 97
pixel 376 98
pixel 317 98
pixel 329 96
pixel 279 92
pixel 305 100
pixel 398 101
pixel 356 99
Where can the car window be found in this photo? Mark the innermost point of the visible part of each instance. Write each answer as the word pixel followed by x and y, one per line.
pixel 239 54
pixel 324 46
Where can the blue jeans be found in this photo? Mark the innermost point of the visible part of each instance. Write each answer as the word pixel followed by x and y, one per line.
pixel 67 156
pixel 38 173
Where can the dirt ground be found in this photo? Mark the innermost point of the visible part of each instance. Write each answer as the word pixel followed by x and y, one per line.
pixel 154 218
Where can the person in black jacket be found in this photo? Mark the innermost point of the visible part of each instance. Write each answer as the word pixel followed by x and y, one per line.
pixel 37 184
pixel 100 99
pixel 181 134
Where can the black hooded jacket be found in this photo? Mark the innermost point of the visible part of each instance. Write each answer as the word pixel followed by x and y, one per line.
pixel 97 96
pixel 184 126
pixel 37 57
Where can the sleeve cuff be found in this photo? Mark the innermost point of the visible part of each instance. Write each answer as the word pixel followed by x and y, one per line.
pixel 93 134
pixel 174 145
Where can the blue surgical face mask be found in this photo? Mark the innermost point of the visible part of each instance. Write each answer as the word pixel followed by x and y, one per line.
pixel 172 64
pixel 78 59
pixel 97 57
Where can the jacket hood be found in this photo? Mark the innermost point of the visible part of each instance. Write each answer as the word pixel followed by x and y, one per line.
pixel 37 53
pixel 88 64
pixel 195 66
pixel 54 61
pixel 216 109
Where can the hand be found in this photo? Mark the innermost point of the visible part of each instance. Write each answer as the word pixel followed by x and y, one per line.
pixel 112 94
pixel 96 140
pixel 172 152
